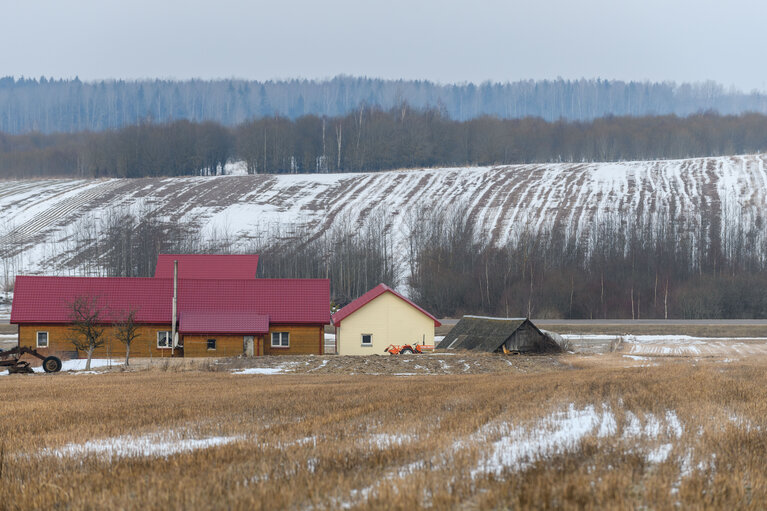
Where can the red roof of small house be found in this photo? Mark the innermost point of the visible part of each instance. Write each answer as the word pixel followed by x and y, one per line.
pixel 285 301
pixel 48 299
pixel 207 266
pixel 223 323
pixel 368 297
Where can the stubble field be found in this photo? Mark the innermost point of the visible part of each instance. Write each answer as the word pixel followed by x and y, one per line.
pixel 572 431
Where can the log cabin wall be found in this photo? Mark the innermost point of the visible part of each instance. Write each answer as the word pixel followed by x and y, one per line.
pixel 59 343
pixel 225 345
pixel 304 340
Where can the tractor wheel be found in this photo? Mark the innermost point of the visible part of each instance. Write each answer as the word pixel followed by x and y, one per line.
pixel 52 364
pixel 406 351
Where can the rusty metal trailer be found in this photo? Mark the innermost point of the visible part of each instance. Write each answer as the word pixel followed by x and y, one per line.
pixel 11 359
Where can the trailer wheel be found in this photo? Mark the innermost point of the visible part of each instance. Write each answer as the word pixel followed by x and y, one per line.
pixel 407 351
pixel 52 364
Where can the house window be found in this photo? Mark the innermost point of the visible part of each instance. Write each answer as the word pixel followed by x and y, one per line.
pixel 211 344
pixel 42 339
pixel 367 339
pixel 280 339
pixel 164 339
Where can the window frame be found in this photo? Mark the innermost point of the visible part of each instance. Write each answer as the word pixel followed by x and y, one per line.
pixel 282 336
pixel 214 344
pixel 168 340
pixel 47 339
pixel 366 344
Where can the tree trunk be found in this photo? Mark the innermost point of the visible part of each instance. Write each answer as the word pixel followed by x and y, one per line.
pixel 90 354
pixel 127 355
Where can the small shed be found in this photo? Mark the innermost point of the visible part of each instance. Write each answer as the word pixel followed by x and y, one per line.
pixel 379 318
pixel 481 333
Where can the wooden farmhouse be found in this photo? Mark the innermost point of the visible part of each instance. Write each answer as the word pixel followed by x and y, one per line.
pixel 491 335
pixel 379 318
pixel 221 310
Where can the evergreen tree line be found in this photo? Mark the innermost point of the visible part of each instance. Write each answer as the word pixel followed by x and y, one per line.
pixel 371 140
pixel 50 105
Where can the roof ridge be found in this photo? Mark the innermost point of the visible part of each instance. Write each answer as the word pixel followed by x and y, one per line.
pixel 495 318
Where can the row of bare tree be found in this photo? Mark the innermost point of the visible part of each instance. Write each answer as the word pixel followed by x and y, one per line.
pixel 372 140
pixel 624 265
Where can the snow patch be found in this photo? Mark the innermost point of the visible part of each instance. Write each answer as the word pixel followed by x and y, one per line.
pixel 142 446
pixel 260 370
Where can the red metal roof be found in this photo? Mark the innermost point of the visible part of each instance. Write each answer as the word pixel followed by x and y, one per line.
pixel 47 299
pixel 283 300
pixel 223 323
pixel 368 297
pixel 207 266
pixel 295 301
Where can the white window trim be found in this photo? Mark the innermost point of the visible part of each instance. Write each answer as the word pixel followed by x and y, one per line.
pixel 168 339
pixel 280 345
pixel 47 339
pixel 366 344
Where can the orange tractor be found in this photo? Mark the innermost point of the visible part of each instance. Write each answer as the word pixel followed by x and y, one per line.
pixel 408 349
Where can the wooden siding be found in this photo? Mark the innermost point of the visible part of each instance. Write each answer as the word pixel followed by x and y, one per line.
pixel 304 340
pixel 525 339
pixel 59 344
pixel 226 345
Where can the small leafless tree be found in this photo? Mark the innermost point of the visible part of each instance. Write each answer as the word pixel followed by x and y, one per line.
pixel 126 331
pixel 86 329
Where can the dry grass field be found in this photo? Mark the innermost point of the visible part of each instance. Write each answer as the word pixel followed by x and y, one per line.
pixel 566 432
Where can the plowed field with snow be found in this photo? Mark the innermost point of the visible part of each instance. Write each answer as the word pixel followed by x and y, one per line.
pixel 40 215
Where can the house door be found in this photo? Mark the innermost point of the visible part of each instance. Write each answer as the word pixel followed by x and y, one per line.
pixel 247 345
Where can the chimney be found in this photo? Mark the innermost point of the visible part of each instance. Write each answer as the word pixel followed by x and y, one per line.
pixel 173 340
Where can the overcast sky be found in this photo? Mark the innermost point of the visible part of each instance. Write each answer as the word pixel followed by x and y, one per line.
pixel 439 40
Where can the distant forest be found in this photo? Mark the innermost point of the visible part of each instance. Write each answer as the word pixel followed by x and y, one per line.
pixel 371 139
pixel 55 105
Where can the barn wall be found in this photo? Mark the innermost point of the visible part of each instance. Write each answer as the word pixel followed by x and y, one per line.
pixel 60 345
pixel 390 320
pixel 525 339
pixel 304 340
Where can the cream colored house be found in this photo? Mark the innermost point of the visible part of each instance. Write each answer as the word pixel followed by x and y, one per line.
pixel 379 318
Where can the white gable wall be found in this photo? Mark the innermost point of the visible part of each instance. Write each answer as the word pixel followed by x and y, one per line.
pixel 390 320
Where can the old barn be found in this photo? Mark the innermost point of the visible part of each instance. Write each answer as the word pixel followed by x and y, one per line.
pixel 491 335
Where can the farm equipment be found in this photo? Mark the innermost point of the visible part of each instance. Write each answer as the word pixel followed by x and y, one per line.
pixel 12 360
pixel 408 349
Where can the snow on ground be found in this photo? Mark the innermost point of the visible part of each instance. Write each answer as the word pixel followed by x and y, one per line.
pixel 79 364
pixel 40 216
pixel 678 345
pixel 520 446
pixel 164 445
pixel 260 370
pixel 513 447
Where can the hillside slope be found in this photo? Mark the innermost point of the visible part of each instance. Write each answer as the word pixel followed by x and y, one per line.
pixel 38 216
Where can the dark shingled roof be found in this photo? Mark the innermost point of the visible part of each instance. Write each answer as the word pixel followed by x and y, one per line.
pixel 486 334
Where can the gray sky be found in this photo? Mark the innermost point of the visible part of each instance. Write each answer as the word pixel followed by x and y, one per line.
pixel 440 40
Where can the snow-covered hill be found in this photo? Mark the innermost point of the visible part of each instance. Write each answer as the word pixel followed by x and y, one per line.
pixel 38 214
